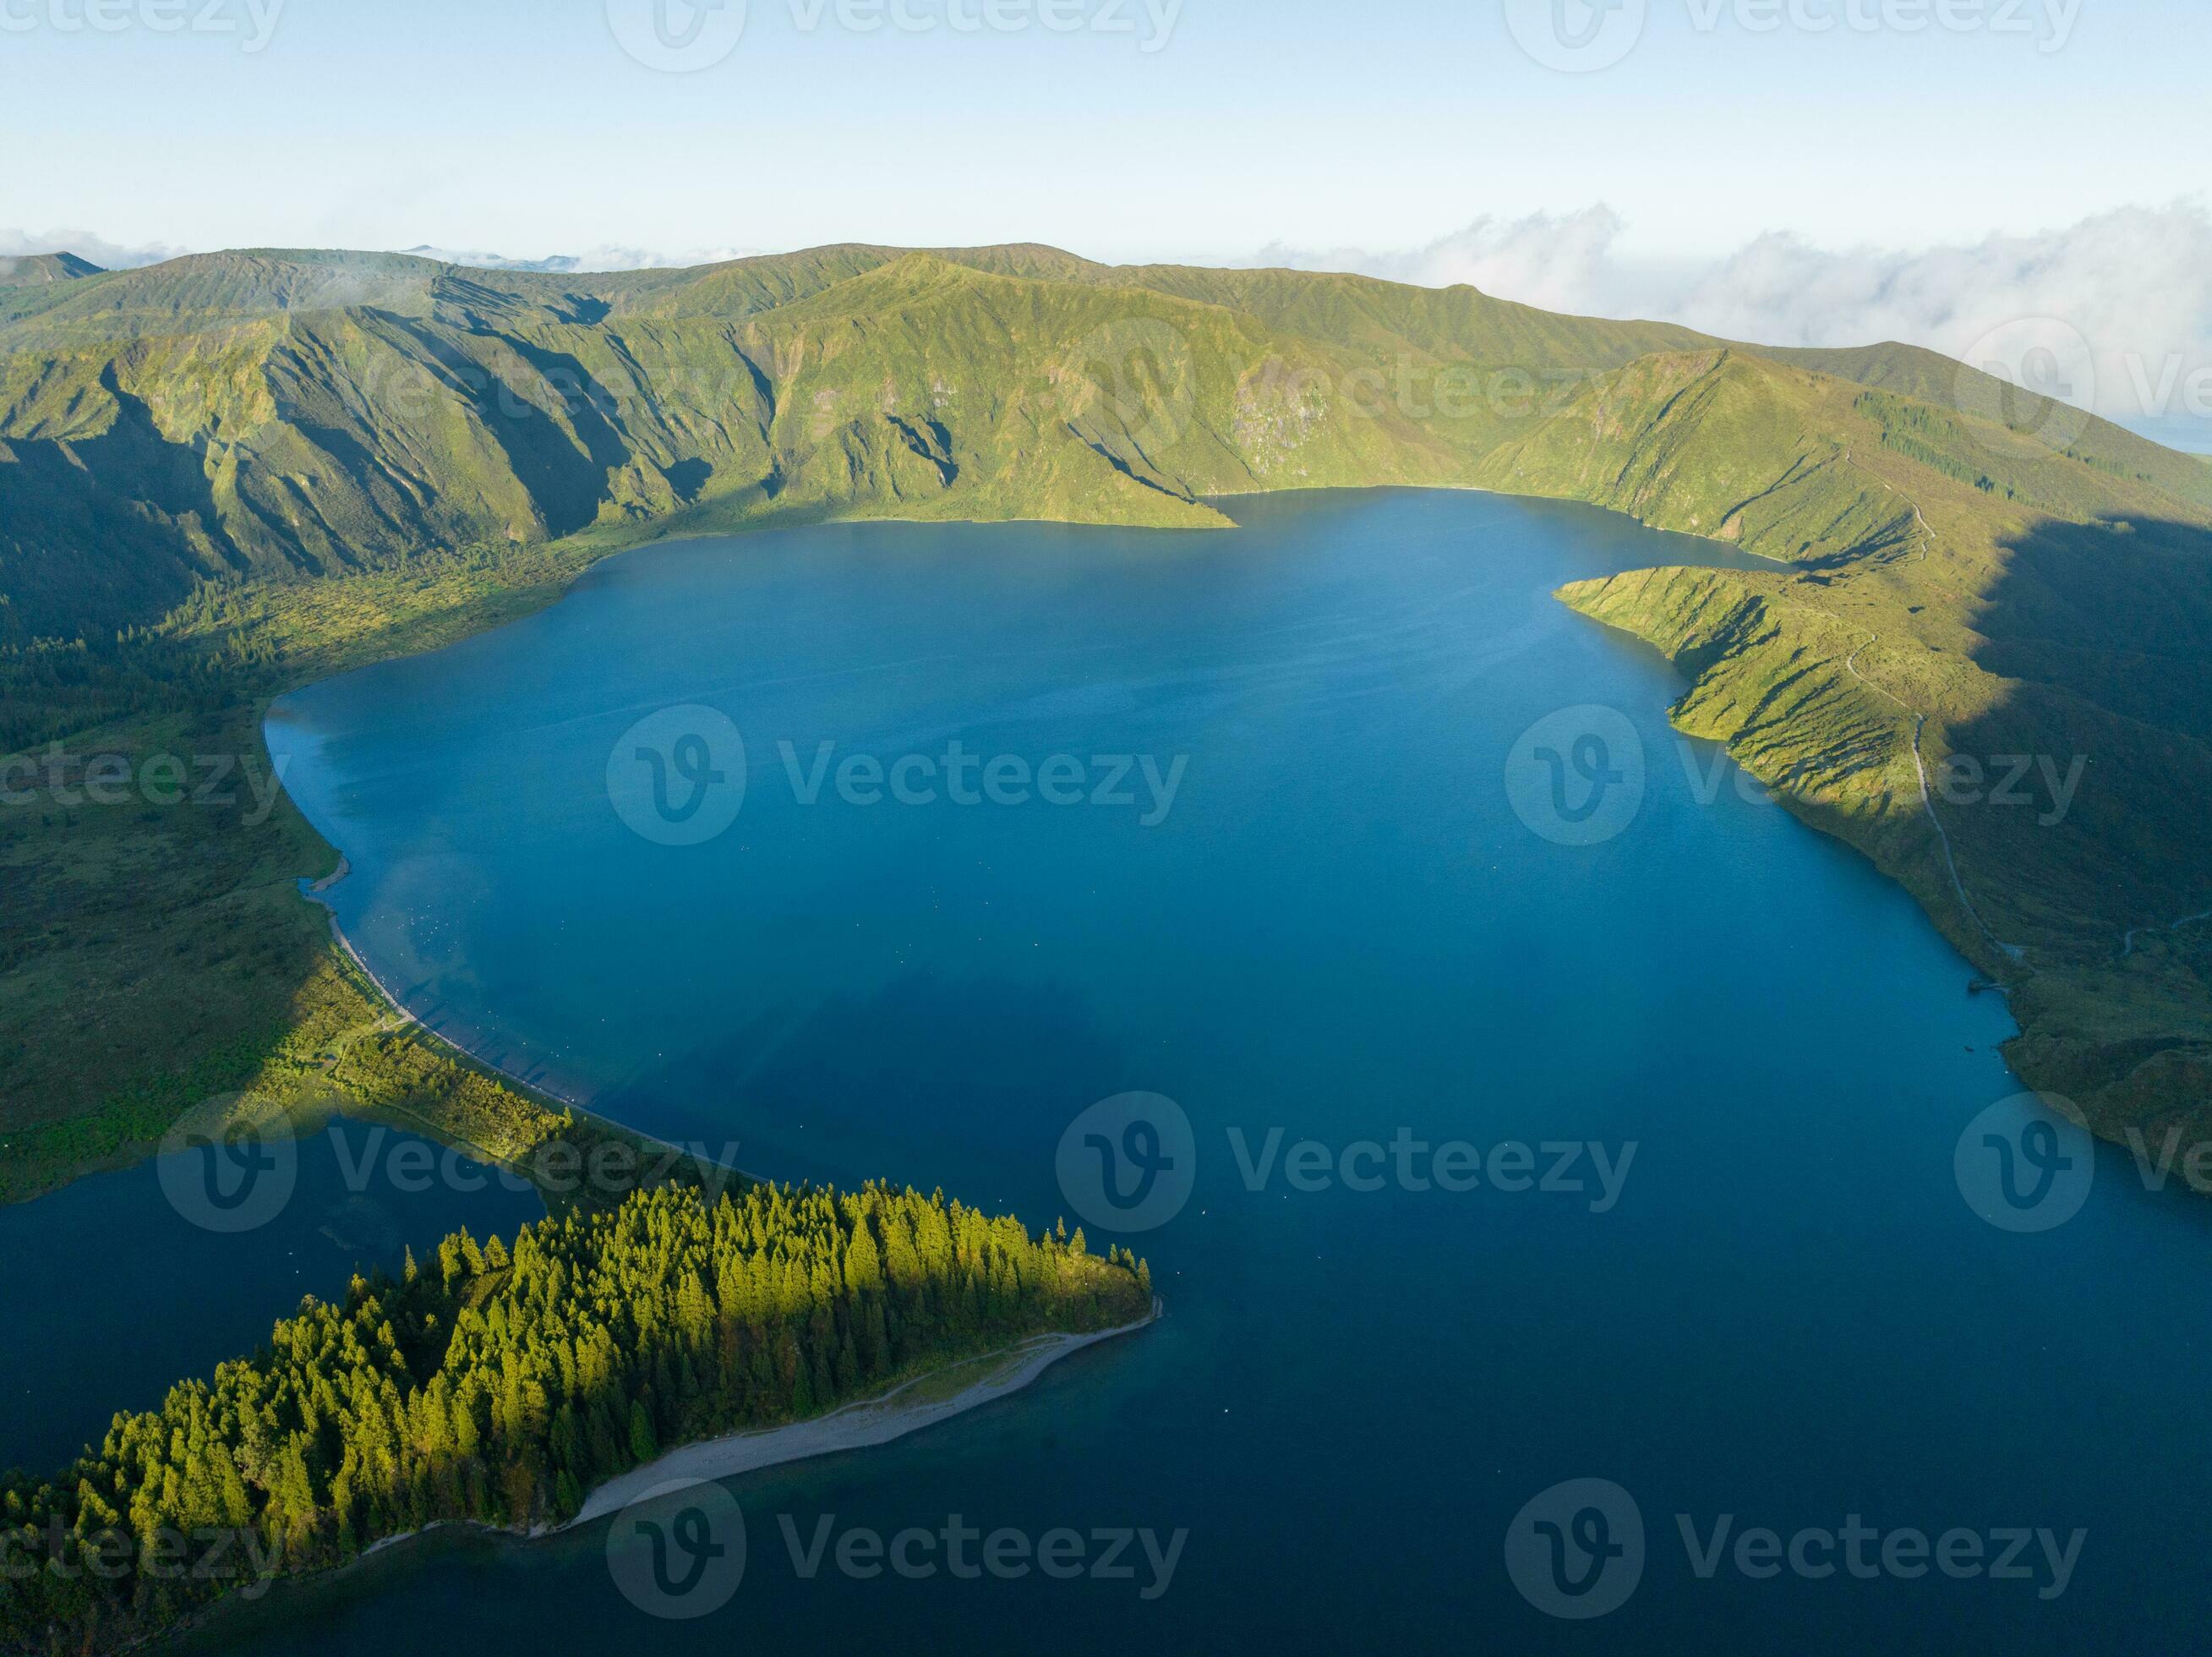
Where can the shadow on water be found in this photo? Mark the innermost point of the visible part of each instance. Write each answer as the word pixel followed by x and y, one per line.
pixel 982 1072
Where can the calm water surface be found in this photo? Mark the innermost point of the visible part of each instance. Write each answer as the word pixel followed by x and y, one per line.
pixel 113 1289
pixel 1341 929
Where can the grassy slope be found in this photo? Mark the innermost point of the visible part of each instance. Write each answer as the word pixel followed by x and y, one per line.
pixel 317 432
pixel 160 956
pixel 30 270
pixel 259 416
pixel 2025 602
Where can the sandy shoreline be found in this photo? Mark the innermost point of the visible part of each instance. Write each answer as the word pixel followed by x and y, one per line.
pixel 313 892
pixel 908 1408
pixel 857 1426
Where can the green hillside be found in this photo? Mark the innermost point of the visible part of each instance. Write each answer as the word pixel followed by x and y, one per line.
pixel 37 269
pixel 230 473
pixel 1957 585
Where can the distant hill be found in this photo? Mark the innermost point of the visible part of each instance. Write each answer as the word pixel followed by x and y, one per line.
pixel 24 269
pixel 1956 567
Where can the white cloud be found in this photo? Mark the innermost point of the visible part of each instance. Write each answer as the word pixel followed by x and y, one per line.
pixel 85 244
pixel 595 259
pixel 115 256
pixel 2134 285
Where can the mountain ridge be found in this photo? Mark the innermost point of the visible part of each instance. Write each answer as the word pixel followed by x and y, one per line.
pixel 237 468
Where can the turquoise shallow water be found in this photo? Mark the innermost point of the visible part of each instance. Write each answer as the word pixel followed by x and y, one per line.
pixel 1343 929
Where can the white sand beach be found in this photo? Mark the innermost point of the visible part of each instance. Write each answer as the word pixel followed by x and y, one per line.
pixel 923 1401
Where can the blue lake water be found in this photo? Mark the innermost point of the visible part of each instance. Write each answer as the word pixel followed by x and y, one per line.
pixel 114 1288
pixel 1344 929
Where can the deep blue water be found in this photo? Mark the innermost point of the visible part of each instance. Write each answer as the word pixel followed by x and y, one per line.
pixel 1342 929
pixel 111 1291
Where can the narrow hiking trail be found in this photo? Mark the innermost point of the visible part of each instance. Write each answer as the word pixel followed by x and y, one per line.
pixel 2012 952
pixel 1920 721
pixel 1928 799
pixel 2128 943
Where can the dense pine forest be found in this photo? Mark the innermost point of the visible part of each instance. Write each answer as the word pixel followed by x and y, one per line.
pixel 498 1385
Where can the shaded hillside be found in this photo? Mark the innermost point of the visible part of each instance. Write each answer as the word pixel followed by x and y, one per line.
pixel 255 415
pixel 37 269
pixel 283 463
pixel 2035 623
pixel 270 414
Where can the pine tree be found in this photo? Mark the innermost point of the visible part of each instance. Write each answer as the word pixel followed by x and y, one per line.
pixel 501 1386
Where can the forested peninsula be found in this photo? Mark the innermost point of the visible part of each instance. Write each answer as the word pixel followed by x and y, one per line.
pixel 496 1385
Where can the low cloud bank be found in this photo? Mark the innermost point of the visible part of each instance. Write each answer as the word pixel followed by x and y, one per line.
pixel 2114 313
pixel 109 255
pixel 602 258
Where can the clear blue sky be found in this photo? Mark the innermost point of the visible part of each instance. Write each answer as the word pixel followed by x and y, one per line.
pixel 522 126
